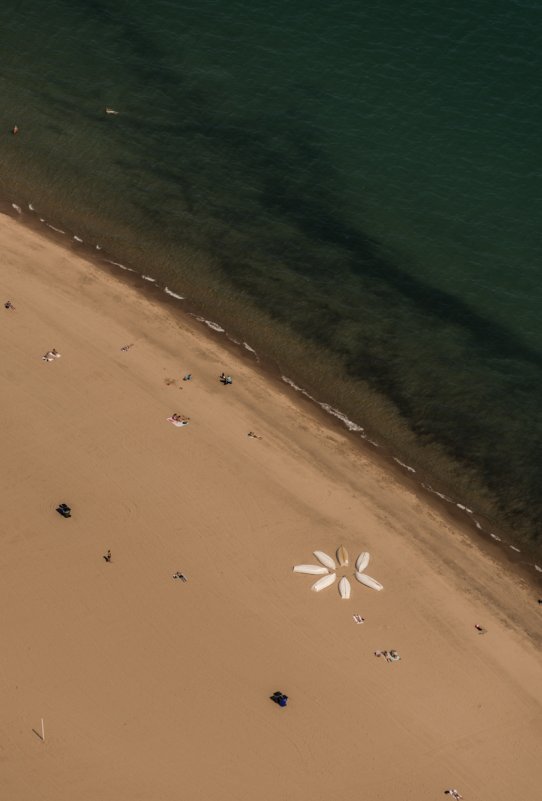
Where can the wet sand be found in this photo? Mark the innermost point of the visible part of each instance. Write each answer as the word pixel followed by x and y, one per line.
pixel 155 688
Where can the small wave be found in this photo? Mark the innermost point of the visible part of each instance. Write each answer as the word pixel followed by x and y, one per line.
pixel 52 227
pixel 247 347
pixel 513 548
pixel 494 536
pixel 17 208
pixel 536 567
pixel 406 466
pixel 436 492
pixel 118 264
pixel 98 247
pixel 350 425
pixel 42 220
pixel 31 207
pixel 77 238
pixel 173 294
pixel 149 278
pixel 478 526
pixel 294 386
pixel 215 326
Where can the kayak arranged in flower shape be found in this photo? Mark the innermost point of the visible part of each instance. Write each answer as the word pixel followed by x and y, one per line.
pixel 327 570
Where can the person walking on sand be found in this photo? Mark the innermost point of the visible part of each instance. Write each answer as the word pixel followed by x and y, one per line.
pixel 107 556
pixel 9 305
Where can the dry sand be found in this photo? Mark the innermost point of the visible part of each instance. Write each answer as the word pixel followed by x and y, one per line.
pixel 151 688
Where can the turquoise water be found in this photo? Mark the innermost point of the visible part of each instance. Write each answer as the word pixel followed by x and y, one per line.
pixel 353 188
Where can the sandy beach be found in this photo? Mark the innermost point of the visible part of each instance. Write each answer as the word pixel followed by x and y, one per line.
pixel 156 688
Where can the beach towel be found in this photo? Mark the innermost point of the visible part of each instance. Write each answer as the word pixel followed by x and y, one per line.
pixel 177 423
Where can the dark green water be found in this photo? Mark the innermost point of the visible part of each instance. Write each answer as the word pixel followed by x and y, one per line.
pixel 352 188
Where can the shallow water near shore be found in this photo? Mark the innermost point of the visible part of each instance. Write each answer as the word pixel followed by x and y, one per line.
pixel 350 190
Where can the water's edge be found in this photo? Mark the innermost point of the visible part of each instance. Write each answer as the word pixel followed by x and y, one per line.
pixel 481 530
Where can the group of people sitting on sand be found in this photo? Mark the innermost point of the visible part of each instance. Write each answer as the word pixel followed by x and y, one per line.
pixel 225 379
pixel 180 418
pixel 390 656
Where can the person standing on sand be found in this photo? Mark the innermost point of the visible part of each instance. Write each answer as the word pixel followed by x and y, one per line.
pixel 107 557
pixel 9 305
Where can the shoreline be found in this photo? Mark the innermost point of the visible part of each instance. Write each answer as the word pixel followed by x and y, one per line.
pixel 483 533
pixel 145 683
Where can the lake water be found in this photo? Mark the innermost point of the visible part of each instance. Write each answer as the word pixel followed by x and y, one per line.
pixel 352 188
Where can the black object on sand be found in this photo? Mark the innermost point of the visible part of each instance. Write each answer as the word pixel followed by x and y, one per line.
pixel 64 510
pixel 279 698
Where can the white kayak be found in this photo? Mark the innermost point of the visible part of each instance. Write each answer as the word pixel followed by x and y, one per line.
pixel 313 570
pixel 342 556
pixel 344 588
pixel 322 583
pixel 325 560
pixel 368 581
pixel 362 561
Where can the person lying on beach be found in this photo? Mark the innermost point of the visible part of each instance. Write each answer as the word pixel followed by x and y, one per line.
pixel 187 377
pixel 127 347
pixel 179 418
pixel 253 435
pixel 9 305
pixel 180 576
pixel 50 355
pixel 454 793
pixel 480 629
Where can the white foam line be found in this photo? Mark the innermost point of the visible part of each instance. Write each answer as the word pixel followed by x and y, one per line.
pixel 52 227
pixel 149 278
pixel 513 548
pixel 478 526
pixel 435 492
pixel 494 536
pixel 173 294
pixel 247 347
pixel 350 425
pixel 31 207
pixel 406 466
pixel 215 326
pixel 17 208
pixel 536 567
pixel 77 238
pixel 118 264
pixel 42 220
